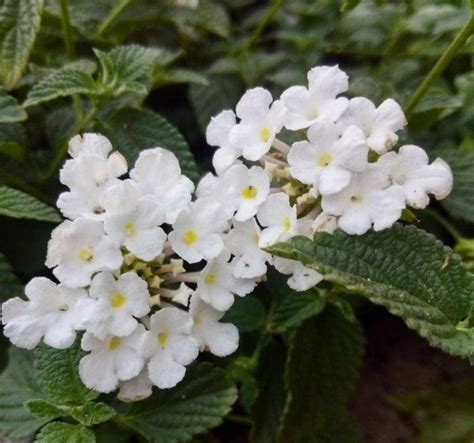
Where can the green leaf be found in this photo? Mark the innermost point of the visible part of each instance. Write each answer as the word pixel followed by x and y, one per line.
pixel 296 307
pixel 62 83
pixel 404 269
pixel 247 313
pixel 65 433
pixel 17 204
pixel 92 413
pixel 460 203
pixel 323 365
pixel 10 284
pixel 195 405
pixel 58 375
pixel 348 5
pixel 43 409
pixel 171 76
pixel 132 130
pixel 17 385
pixel 10 110
pixel 19 24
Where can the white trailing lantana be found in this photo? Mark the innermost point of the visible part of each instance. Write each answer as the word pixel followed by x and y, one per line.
pixel 147 269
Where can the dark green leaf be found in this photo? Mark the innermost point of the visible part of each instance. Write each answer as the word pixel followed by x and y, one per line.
pixel 247 313
pixel 10 285
pixel 92 413
pixel 65 433
pixel 10 110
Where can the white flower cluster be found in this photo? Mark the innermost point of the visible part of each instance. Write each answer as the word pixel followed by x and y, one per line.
pixel 121 256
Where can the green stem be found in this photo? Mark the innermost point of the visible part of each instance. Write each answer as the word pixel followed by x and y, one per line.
pixel 466 31
pixel 105 24
pixel 67 29
pixel 444 223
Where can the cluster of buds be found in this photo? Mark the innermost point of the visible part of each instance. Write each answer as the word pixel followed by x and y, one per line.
pixel 147 265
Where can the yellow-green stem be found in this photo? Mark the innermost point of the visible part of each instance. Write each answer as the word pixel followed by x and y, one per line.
pixel 111 17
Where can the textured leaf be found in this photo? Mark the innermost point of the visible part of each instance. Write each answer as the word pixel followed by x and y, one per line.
pixel 195 405
pixel 247 313
pixel 17 204
pixel 10 285
pixel 460 203
pixel 62 83
pixel 92 413
pixel 10 110
pixel 296 307
pixel 19 24
pixel 17 385
pixel 132 130
pixel 404 269
pixel 322 369
pixel 58 375
pixel 170 76
pixel 65 433
pixel 43 409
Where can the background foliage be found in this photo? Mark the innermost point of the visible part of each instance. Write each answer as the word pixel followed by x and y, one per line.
pixel 153 72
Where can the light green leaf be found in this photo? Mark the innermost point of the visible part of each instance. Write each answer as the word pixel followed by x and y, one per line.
pixel 17 385
pixel 62 83
pixel 196 404
pixel 92 413
pixel 10 110
pixel 19 24
pixel 247 313
pixel 322 369
pixel 404 269
pixel 43 409
pixel 348 5
pixel 10 285
pixel 65 433
pixel 17 204
pixel 132 130
pixel 58 375
pixel 170 76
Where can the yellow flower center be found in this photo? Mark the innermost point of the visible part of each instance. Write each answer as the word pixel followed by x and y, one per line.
pixel 286 223
pixel 130 229
pixel 312 113
pixel 85 255
pixel 117 300
pixel 114 343
pixel 357 198
pixel 210 279
pixel 256 239
pixel 162 338
pixel 190 237
pixel 324 160
pixel 249 193
pixel 197 319
pixel 265 134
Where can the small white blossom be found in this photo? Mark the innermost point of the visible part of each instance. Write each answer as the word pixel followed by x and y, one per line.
pixel 220 339
pixel 49 313
pixel 328 159
pixel 242 241
pixel 279 217
pixel 114 304
pixel 217 284
pixel 302 278
pixel 89 143
pixel 379 124
pixel 410 169
pixel 217 134
pixel 137 388
pixel 197 231
pixel 317 102
pixel 260 121
pixel 368 199
pixel 324 223
pixel 80 248
pixel 169 346
pixel 111 360
pixel 133 221
pixel 157 171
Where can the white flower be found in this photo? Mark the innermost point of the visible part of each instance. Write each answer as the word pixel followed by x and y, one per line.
pixel 137 388
pixel 260 121
pixel 157 171
pixel 302 278
pixel 114 304
pixel 170 346
pixel 379 124
pixel 133 221
pixel 245 189
pixel 317 102
pixel 89 144
pixel 279 217
pixel 328 160
pixel 324 223
pixel 217 134
pixel 410 169
pixel 242 241
pixel 217 284
pixel 79 249
pixel 368 199
pixel 197 231
pixel 212 186
pixel 111 360
pixel 221 339
pixel 49 313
